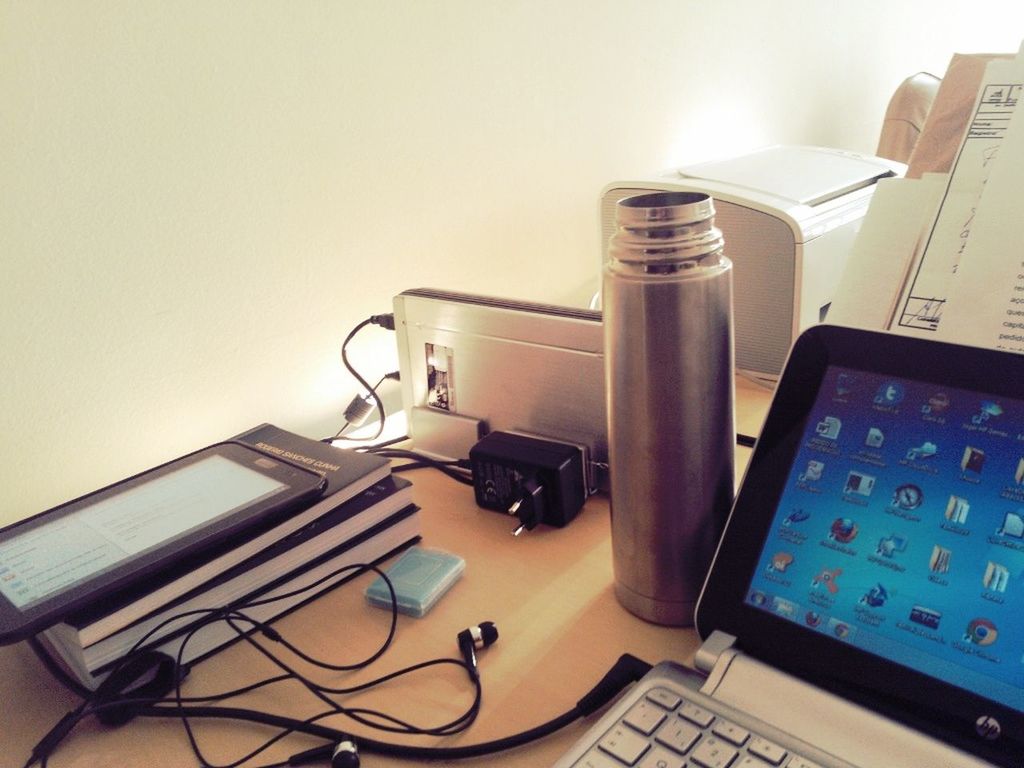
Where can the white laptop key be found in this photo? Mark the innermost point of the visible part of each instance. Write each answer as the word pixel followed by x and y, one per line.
pixel 624 744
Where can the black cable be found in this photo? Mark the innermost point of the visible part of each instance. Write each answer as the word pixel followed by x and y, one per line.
pixel 334 735
pixel 454 475
pixel 626 670
pixel 265 630
pixel 41 752
pixel 385 321
pixel 367 717
pixel 355 410
pixel 471 750
pixel 103 708
pixel 384 444
pixel 421 461
pixel 112 707
pixel 401 453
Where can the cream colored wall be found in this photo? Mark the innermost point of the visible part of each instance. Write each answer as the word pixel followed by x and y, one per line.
pixel 201 198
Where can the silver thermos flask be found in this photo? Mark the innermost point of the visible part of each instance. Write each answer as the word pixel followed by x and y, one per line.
pixel 667 312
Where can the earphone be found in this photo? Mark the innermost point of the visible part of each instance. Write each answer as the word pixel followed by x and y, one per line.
pixel 472 639
pixel 345 755
pixel 146 679
pixel 123 697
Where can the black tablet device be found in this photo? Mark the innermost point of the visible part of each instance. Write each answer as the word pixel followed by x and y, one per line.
pixel 72 555
pixel 876 546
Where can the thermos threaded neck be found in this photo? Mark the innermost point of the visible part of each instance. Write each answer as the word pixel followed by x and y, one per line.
pixel 665 230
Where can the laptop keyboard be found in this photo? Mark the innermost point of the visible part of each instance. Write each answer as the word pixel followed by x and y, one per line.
pixel 664 730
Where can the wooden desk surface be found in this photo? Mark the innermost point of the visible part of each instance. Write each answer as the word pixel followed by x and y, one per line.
pixel 549 593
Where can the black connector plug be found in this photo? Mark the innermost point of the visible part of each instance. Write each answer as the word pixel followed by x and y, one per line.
pixel 387 321
pixel 535 479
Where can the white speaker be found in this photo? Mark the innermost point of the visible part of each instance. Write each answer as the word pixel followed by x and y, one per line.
pixel 789 216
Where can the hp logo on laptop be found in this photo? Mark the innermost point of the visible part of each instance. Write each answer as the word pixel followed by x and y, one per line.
pixel 988 728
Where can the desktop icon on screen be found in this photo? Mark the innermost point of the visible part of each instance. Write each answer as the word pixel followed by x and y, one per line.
pixel 796 516
pixel 924 451
pixel 937 403
pixel 996 578
pixel 891 545
pixel 907 496
pixel 1013 526
pixel 840 629
pixel 858 483
pixel 890 393
pixel 939 561
pixel 812 473
pixel 981 632
pixel 784 607
pixel 845 384
pixel 827 578
pixel 813 619
pixel 987 410
pixel 843 530
pixel 829 427
pixel 926 617
pixel 875 438
pixel 875 597
pixel 957 509
pixel 973 460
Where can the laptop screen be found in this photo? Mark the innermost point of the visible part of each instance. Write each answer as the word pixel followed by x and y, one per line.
pixel 876 545
pixel 900 529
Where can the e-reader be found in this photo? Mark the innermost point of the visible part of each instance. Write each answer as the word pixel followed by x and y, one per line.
pixel 67 557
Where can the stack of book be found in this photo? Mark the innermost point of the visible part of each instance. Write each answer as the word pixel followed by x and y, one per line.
pixel 364 515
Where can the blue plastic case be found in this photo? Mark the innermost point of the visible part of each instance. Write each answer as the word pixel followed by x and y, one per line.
pixel 420 577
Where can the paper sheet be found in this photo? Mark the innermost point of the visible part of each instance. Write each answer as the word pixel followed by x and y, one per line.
pixel 892 232
pixel 943 130
pixel 932 280
pixel 942 257
pixel 987 308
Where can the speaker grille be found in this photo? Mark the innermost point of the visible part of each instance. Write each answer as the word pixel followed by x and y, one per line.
pixel 762 250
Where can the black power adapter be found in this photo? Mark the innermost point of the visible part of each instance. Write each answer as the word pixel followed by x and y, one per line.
pixel 536 479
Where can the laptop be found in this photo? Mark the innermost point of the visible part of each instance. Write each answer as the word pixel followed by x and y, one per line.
pixel 865 606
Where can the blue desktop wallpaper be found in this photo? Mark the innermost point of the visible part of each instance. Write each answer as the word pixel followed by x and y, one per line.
pixel 901 530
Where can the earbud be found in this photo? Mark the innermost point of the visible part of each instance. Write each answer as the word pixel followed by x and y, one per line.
pixel 473 639
pixel 345 755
